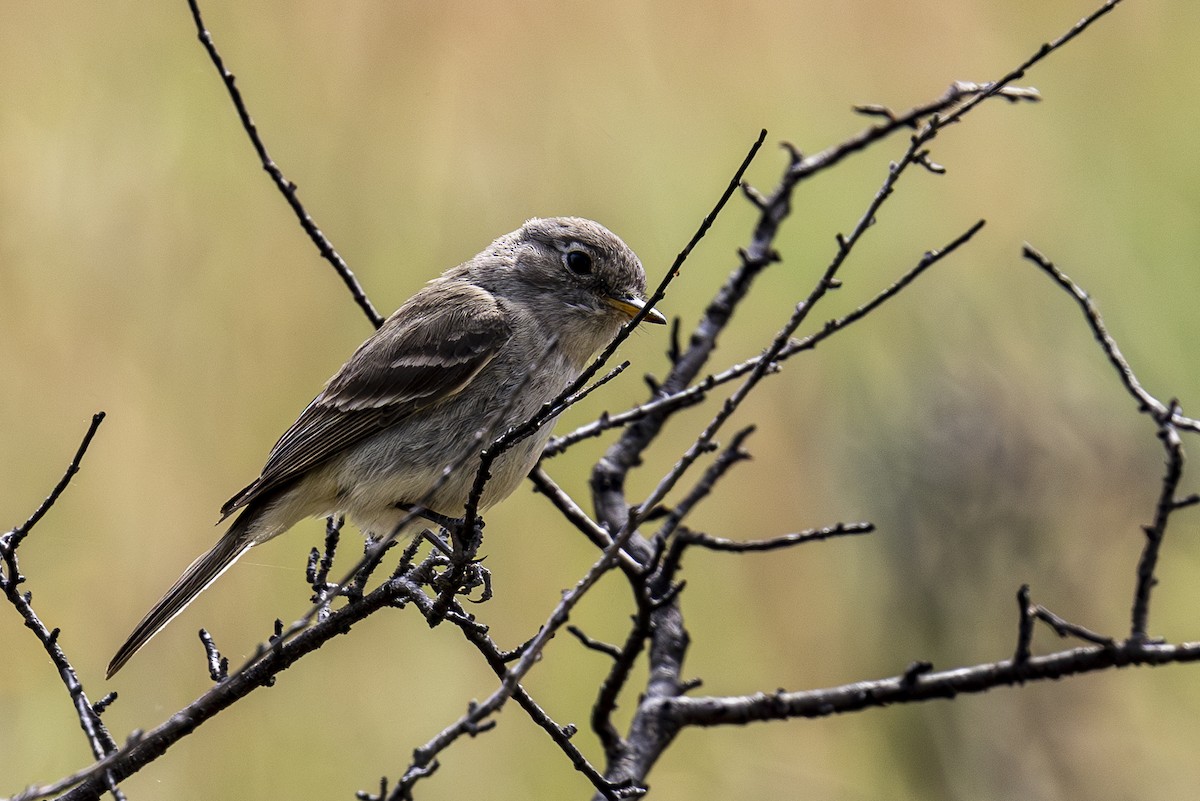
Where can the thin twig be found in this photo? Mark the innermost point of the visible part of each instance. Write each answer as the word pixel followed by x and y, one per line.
pixel 218 666
pixel 928 685
pixel 98 737
pixel 654 724
pixel 671 560
pixel 727 458
pixel 1024 626
pixel 762 368
pixel 605 648
pixel 1168 419
pixel 776 543
pixel 1156 531
pixel 575 515
pixel 959 90
pixel 1064 628
pixel 1146 401
pixel 90 782
pixel 479 713
pixel 286 187
pixel 19 533
pixel 618 676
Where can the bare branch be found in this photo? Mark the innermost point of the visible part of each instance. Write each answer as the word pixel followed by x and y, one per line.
pixel 608 649
pixel 776 543
pixel 618 676
pixel 958 91
pixel 1064 628
pixel 286 187
pixel 14 537
pixel 1025 626
pixel 651 732
pixel 673 271
pixel 1156 531
pixel 1168 419
pixel 258 672
pixel 1146 401
pixel 783 337
pixel 100 741
pixel 478 713
pixel 498 661
pixel 218 666
pixel 657 630
pixel 575 514
pixel 995 88
pixel 718 711
pixel 726 459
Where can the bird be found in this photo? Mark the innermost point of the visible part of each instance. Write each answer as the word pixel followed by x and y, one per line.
pixel 477 350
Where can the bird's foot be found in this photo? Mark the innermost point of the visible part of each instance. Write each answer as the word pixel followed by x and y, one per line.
pixel 454 525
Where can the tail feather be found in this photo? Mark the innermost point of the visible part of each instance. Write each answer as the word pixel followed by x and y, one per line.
pixel 202 572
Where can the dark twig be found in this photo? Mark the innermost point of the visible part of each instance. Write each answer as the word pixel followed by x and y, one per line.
pixel 783 337
pixel 1187 500
pixel 668 403
pixel 727 458
pixel 19 533
pixel 596 645
pixel 915 671
pixel 686 538
pixel 956 94
pixel 100 706
pixel 776 543
pixel 498 661
pixel 333 530
pixel 1064 628
pixel 286 187
pixel 618 676
pixel 1024 626
pixel 572 511
pixel 1168 419
pixel 512 436
pixel 664 711
pixel 995 88
pixel 479 713
pixel 1146 402
pixel 651 730
pixel 661 290
pixel 321 562
pixel 595 385
pixel 218 666
pixel 11 579
pixel 718 711
pixel 258 672
pixel 1156 531
pixel 609 476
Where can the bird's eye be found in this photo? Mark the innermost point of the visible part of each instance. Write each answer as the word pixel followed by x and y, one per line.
pixel 578 262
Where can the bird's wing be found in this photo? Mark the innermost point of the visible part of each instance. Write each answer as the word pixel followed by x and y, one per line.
pixel 421 355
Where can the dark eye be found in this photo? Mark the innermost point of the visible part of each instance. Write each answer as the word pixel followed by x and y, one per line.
pixel 579 262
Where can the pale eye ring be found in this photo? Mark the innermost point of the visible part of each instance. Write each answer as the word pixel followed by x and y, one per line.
pixel 578 262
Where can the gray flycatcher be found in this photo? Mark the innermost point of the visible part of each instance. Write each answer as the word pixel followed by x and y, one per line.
pixel 479 349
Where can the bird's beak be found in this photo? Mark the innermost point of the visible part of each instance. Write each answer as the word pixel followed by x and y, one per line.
pixel 631 305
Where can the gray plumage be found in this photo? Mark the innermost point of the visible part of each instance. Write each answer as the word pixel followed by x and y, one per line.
pixel 478 349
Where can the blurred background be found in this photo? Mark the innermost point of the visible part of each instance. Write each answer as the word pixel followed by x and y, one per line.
pixel 148 268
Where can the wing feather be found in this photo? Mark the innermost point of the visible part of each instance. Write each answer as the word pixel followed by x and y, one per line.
pixel 424 353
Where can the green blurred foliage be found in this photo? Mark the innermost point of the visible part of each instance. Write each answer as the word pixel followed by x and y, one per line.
pixel 148 268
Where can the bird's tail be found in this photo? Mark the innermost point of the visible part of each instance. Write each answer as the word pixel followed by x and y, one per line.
pixel 195 579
